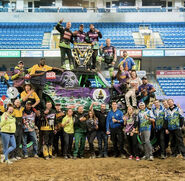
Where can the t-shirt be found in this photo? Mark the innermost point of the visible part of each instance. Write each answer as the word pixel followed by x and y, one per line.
pixel 147 87
pixel 135 83
pixel 145 124
pixel 69 128
pixel 29 120
pixel 123 76
pixel 102 116
pixel 33 97
pixel 38 69
pixel 91 124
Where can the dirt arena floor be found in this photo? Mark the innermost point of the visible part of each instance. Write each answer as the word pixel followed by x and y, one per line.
pixel 109 169
pixel 99 169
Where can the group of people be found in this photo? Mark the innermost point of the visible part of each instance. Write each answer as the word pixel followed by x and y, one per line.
pixel 29 118
pixel 20 123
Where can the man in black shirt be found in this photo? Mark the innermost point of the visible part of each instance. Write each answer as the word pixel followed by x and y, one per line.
pixel 101 132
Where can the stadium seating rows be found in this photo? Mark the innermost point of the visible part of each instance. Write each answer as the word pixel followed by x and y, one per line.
pixel 172 86
pixel 30 35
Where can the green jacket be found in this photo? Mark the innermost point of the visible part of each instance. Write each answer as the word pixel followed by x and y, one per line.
pixel 7 125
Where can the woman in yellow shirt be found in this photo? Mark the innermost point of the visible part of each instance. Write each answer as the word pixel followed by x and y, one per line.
pixel 68 125
pixel 8 129
pixel 30 95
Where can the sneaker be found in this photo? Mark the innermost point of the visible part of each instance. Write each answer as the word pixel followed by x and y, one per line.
pixel 163 157
pixel 81 157
pixel 130 157
pixel 66 157
pixel 13 159
pixel 2 158
pixel 123 156
pixel 69 156
pixel 18 158
pixel 8 162
pixel 100 156
pixel 183 157
pixel 137 158
pixel 106 156
pixel 25 156
pixel 36 156
pixel 144 158
pixel 46 158
pixel 74 157
pixel 93 156
pixel 151 158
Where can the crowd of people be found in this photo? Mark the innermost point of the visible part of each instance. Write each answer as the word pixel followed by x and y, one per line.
pixel 29 118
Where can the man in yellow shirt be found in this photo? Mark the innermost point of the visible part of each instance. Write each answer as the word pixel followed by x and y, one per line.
pixel 38 76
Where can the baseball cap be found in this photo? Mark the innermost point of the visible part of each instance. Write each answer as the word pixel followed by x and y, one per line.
pixel 141 104
pixel 28 102
pixel 145 77
pixel 20 62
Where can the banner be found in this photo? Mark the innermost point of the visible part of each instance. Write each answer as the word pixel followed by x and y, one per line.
pixel 10 53
pixel 170 72
pixel 174 52
pixel 132 53
pixel 48 53
pixel 31 54
pixel 153 53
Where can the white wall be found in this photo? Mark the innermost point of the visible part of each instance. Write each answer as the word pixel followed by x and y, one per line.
pixel 93 17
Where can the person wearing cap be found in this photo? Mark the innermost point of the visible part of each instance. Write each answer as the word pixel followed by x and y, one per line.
pixel 29 117
pixel 110 56
pixel 58 134
pixel 30 95
pixel 79 36
pixel 92 37
pixel 145 120
pixel 38 76
pixel 146 91
pixel 66 37
pixel 127 62
pixel 18 76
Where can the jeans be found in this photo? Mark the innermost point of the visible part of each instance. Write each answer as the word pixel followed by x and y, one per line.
pixel 79 138
pixel 133 144
pixel 68 142
pixel 94 55
pixel 131 93
pixel 91 135
pixel 33 138
pixel 102 137
pixel 176 136
pixel 63 52
pixel 160 134
pixel 117 140
pixel 18 138
pixel 8 139
pixel 57 136
pixel 145 137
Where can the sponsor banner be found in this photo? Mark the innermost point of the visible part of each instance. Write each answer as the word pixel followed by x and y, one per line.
pixel 55 53
pixel 132 53
pixel 153 53
pixel 170 72
pixel 10 53
pixel 31 53
pixel 50 75
pixel 174 52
